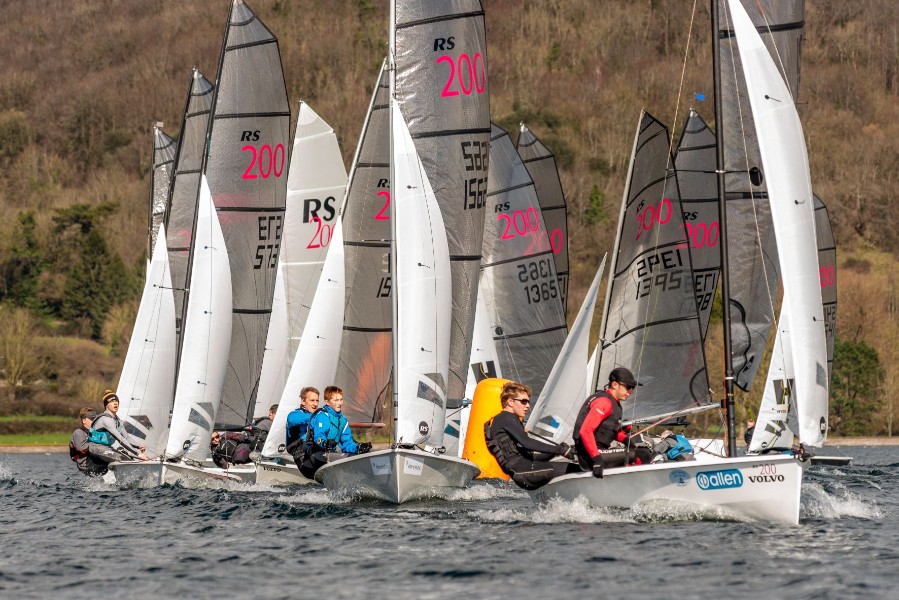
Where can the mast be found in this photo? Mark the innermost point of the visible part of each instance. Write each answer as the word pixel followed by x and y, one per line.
pixel 728 400
pixel 394 350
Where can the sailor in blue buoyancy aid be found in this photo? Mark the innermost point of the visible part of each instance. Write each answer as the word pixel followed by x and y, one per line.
pixel 329 431
pixel 108 441
pixel 298 423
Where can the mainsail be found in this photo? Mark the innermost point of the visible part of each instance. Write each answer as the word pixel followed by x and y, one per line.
pixel 182 203
pixel 694 162
pixel 441 87
pixel 541 164
pixel 246 169
pixel 164 149
pixel 651 324
pixel 365 360
pixel 518 274
pixel 753 258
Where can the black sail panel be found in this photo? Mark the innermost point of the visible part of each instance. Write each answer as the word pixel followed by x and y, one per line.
pixel 652 324
pixel 247 173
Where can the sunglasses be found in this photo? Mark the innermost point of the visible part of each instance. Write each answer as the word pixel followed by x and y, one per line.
pixel 522 400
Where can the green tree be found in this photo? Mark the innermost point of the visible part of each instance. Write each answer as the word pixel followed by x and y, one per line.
pixel 25 264
pixel 596 210
pixel 856 392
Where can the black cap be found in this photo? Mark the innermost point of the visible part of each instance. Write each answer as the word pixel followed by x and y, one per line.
pixel 108 397
pixel 623 376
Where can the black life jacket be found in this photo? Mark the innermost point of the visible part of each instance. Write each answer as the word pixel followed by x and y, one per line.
pixel 607 431
pixel 501 446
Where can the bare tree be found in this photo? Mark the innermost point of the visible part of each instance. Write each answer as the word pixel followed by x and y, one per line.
pixel 19 355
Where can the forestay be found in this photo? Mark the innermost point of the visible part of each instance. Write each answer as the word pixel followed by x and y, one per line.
pixel 651 323
pixel 247 173
pixel 441 88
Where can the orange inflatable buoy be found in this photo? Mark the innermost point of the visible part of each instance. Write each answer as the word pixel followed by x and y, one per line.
pixel 485 405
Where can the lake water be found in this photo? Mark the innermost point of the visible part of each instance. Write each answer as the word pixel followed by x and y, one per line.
pixel 66 536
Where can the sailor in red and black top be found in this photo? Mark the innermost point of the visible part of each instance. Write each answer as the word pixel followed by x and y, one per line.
pixel 598 425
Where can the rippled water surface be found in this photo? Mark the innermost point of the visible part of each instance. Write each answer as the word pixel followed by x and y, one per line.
pixel 67 536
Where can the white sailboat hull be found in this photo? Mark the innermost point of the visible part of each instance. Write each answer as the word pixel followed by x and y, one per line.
pixel 153 473
pixel 760 488
pixel 398 475
pixel 273 473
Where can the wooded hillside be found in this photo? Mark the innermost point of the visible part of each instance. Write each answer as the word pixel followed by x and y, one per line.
pixel 84 80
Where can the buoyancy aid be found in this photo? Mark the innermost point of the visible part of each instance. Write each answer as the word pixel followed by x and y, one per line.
pixel 607 431
pixel 501 446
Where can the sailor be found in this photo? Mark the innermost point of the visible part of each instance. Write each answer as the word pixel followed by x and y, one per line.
pixel 230 447
pixel 107 440
pixel 523 458
pixel 599 438
pixel 78 445
pixel 298 422
pixel 329 431
pixel 258 431
pixel 750 429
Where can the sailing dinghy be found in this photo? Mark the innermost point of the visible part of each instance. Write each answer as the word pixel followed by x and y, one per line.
pixel 763 487
pixel 439 137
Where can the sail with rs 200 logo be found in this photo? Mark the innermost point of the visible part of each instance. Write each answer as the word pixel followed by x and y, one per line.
pixel 247 170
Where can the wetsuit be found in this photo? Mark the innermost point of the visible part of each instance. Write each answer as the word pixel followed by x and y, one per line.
pixel 520 456
pixel 78 451
pixel 123 448
pixel 598 425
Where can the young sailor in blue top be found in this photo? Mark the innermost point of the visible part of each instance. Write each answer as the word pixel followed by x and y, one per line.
pixel 329 432
pixel 298 421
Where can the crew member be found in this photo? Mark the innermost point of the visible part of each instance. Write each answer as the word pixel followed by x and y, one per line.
pixel 108 441
pixel 330 431
pixel 78 445
pixel 521 457
pixel 600 440
pixel 298 422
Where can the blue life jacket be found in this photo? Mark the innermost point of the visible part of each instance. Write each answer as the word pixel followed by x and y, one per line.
pixel 100 437
pixel 683 446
